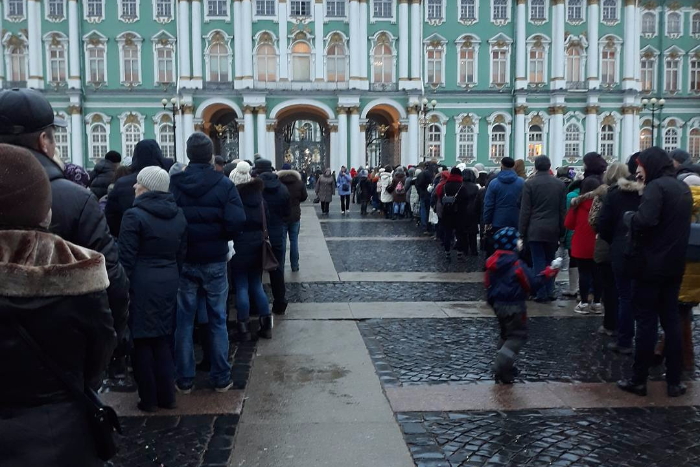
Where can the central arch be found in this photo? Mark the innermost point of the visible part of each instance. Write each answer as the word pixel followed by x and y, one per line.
pixel 302 136
pixel 382 133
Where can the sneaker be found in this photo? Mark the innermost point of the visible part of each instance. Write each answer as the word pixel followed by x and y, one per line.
pixel 184 389
pixel 295 269
pixel 570 293
pixel 596 309
pixel 582 309
pixel 223 388
pixel 619 349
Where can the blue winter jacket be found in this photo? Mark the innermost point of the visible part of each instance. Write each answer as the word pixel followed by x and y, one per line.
pixel 213 210
pixel 344 179
pixel 502 201
pixel 509 280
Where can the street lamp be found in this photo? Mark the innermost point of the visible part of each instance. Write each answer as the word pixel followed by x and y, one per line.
pixel 425 108
pixel 655 106
pixel 176 109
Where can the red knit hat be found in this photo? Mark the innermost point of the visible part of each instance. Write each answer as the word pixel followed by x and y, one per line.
pixel 25 191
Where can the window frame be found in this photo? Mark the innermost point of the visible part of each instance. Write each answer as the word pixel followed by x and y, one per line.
pixel 93 18
pixel 434 20
pixel 123 124
pixel 164 41
pixel 577 21
pixel 463 43
pixel 225 18
pixel 545 11
pixel 673 55
pixel 472 123
pixel 507 8
pixel 55 18
pixel 643 137
pixel 9 60
pixel 164 19
pixel 608 43
pixel 383 38
pixel 579 142
pixel 434 44
pixel 129 19
pixel 604 8
pixel 693 140
pixel 58 134
pixel 464 20
pixel 122 44
pixel 612 119
pixel 292 15
pixel 695 24
pixel 374 18
pixel 217 36
pixel 160 120
pixel 500 43
pixel 541 42
pixel 259 43
pixel 694 59
pixel 292 55
pixel 266 4
pixel 335 17
pixel 15 18
pixel 91 121
pixel 667 16
pixel 54 40
pixel 495 119
pixel 647 34
pixel 345 60
pixel 92 41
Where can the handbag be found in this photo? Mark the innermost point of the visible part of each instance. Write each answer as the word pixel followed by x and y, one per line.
pixel 269 262
pixel 102 419
pixel 317 200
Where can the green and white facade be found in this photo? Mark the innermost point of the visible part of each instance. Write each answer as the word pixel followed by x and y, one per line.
pixel 329 82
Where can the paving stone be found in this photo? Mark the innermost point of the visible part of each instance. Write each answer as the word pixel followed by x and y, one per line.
pixel 386 229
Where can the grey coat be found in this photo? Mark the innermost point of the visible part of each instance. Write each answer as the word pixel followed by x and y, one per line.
pixel 543 208
pixel 325 188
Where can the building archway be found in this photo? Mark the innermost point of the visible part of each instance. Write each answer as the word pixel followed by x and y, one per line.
pixel 221 124
pixel 302 138
pixel 382 136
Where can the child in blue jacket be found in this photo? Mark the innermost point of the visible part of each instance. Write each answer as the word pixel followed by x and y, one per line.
pixel 509 283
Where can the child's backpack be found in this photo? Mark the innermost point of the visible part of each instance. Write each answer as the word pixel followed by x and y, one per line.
pixel 400 190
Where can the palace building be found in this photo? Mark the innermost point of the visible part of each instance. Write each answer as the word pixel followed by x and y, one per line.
pixel 352 82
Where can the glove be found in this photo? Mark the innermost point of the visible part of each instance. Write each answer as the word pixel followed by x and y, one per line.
pixel 556 264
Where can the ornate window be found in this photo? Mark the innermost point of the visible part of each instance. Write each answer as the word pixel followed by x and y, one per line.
pixel 266 58
pixel 129 10
pixel 130 58
pixel 468 55
pixel 163 10
pixel 694 143
pixel 165 134
pixel 610 13
pixel 62 139
pixel 574 67
pixel 217 8
pixel 335 8
pixel 674 24
pixel 15 10
pixel 468 10
pixel 94 10
pixel 131 130
pixel 574 11
pixel 301 61
pixel 500 58
pixel 383 60
pixel 383 9
pixel 648 72
pixel 265 7
pixel 336 61
pixel 535 141
pixel 300 8
pixel 435 11
pixel 164 53
pixel 435 141
pixel 695 24
pixel 537 47
pixel 56 56
pixel 538 11
pixel 97 130
pixel 694 80
pixel 671 138
pixel 467 128
pixel 672 70
pixel 95 58
pixel 498 142
pixel 16 57
pixel 218 57
pixel 645 139
pixel 609 60
pixel 500 11
pixel 607 136
pixel 649 24
pixel 435 60
pixel 573 142
pixel 55 10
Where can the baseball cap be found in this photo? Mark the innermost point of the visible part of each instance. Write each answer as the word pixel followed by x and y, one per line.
pixel 25 111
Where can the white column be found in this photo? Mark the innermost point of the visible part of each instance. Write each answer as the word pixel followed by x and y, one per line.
pixel 403 42
pixel 261 133
pixel 242 131
pixel 180 142
pixel 355 49
pixel 249 138
pixel 519 133
pixel 413 136
pixel 247 43
pixel 362 146
pixel 558 81
pixel 282 38
pixel 36 75
pixel 238 33
pixel 2 52
pixel 184 42
pixel 416 46
pixel 73 46
pixel 630 58
pixel 335 145
pixel 77 129
pixel 318 31
pixel 405 143
pixel 591 131
pixel 592 20
pixel 197 52
pixel 556 129
pixel 635 132
pixel 364 54
pixel 271 151
pixel 355 152
pixel 521 46
pixel 187 121
pixel 628 133
pixel 342 138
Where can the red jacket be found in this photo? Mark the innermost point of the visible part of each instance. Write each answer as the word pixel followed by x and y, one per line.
pixel 583 241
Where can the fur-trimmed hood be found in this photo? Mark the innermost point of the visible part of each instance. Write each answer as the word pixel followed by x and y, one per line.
pixel 254 185
pixel 39 264
pixel 286 176
pixel 628 185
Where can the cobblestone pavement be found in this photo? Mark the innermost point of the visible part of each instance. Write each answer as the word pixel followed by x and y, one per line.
pixel 186 441
pixel 593 437
pixel 456 350
pixel 371 229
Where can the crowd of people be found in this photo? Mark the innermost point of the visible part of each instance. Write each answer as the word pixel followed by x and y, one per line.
pixel 154 249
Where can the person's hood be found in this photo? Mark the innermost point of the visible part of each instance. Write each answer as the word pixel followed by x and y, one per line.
pixel 146 154
pixel 288 176
pixel 453 178
pixel 595 164
pixel 624 184
pixel 688 167
pixel 104 166
pixel 507 176
pixel 271 181
pixel 161 205
pixel 400 175
pixel 385 175
pixel 468 175
pixel 656 164
pixel 251 192
pixel 501 261
pixel 197 180
pixel 35 264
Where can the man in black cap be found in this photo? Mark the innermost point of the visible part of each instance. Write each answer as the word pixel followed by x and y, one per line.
pixel 102 174
pixel 27 120
pixel 502 201
pixel 219 163
pixel 276 196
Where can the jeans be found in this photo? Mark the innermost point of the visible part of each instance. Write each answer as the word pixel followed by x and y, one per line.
pixel 249 286
pixel 154 371
pixel 653 302
pixel 625 313
pixel 279 293
pixel 211 279
pixel 542 255
pixel 292 231
pixel 425 212
pixel 589 275
pixel 399 208
pixel 344 202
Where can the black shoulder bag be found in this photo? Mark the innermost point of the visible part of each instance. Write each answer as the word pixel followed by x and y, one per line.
pixel 102 418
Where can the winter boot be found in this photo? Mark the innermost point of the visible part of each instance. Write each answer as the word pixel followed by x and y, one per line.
pixel 243 331
pixel 573 283
pixel 265 327
pixel 687 340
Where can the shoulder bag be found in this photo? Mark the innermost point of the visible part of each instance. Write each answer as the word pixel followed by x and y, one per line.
pixel 102 419
pixel 269 262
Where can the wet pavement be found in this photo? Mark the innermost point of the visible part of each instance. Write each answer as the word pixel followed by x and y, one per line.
pixel 371 229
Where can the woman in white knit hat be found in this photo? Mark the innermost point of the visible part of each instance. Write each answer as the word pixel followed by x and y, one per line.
pixel 152 247
pixel 246 264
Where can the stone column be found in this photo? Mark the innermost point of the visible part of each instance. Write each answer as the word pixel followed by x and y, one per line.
pixel 261 133
pixel 319 14
pixel 77 129
pixel 628 133
pixel 558 80
pixel 364 54
pixel 187 121
pixel 335 153
pixel 592 57
pixel 362 144
pixel 270 137
pixel 635 129
pixel 556 129
pixel 249 134
pixel 74 81
pixel 282 38
pixel 2 51
pixel 247 40
pixel 405 144
pixel 521 77
pixel 355 49
pixel 631 57
pixel 237 40
pixel 36 74
pixel 180 142
pixel 184 42
pixel 355 151
pixel 416 46
pixel 242 140
pixel 519 149
pixel 591 131
pixel 413 136
pixel 404 34
pixel 197 52
pixel 342 138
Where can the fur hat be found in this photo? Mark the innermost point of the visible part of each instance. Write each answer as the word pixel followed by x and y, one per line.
pixel 241 174
pixel 262 165
pixel 25 191
pixel 154 179
pixel 113 156
pixel 199 148
pixel 506 239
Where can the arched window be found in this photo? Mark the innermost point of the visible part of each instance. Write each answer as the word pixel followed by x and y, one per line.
pixel 695 74
pixel 648 72
pixel 649 23
pixel 607 141
pixel 267 63
pixel 574 13
pixel 466 144
pixel 673 23
pixel 166 139
pixel 695 24
pixel 498 142
pixel 538 10
pixel 57 63
pixel 336 61
pixel 131 64
pixel 131 134
pixel 535 139
pixel 572 142
pixel 301 61
pixel 435 141
pixel 608 65
pixel 672 74
pixel 165 63
pixel 537 65
pixel 218 54
pixel 694 144
pixel 96 63
pixel 609 10
pixel 383 64
pixel 98 141
pixel 645 139
pixel 434 57
pixel 574 72
pixel 467 65
pixel 62 143
pixel 670 139
pixel 18 63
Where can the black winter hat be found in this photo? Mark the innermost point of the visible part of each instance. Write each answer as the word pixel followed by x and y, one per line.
pixel 113 156
pixel 595 164
pixel 146 153
pixel 542 164
pixel 633 163
pixel 263 165
pixel 199 148
pixel 507 162
pixel 680 155
pixel 455 171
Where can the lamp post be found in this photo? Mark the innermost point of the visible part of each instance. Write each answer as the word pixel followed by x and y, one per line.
pixel 176 109
pixel 655 106
pixel 425 108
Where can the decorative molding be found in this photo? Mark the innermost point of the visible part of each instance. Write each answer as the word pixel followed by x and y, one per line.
pixel 75 110
pixel 521 110
pixel 591 109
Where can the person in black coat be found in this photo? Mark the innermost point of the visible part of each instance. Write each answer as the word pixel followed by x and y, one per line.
pixel 452 212
pixel 276 196
pixel 152 246
pixel 102 176
pixel 469 215
pixel 246 264
pixel 660 230
pixel 146 153
pixel 61 302
pixel 363 190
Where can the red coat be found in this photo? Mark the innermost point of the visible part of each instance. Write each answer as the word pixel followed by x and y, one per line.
pixel 583 241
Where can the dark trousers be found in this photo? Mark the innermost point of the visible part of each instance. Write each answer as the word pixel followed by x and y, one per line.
pixel 589 278
pixel 625 312
pixel 512 319
pixel 344 202
pixel 653 302
pixel 277 277
pixel 467 244
pixel 610 296
pixel 448 234
pixel 154 371
pixel 363 207
pixel 542 254
pixel 388 209
pixel 324 207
